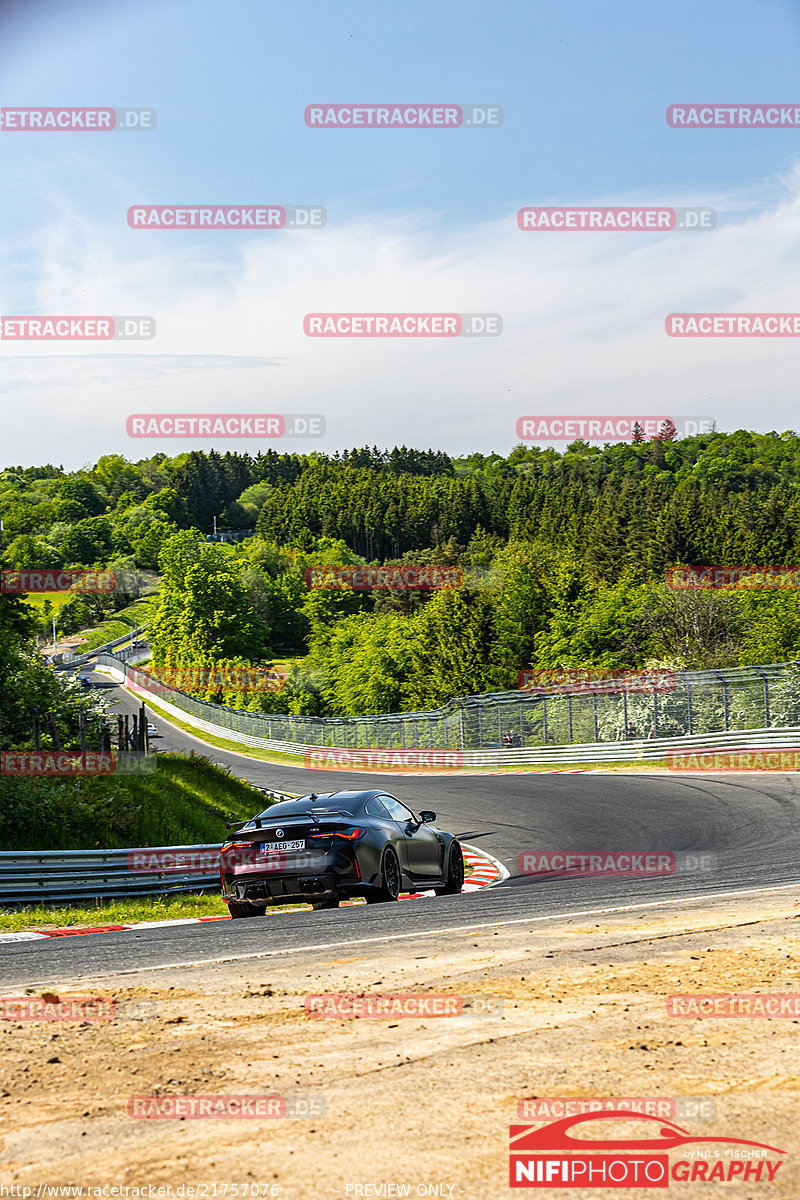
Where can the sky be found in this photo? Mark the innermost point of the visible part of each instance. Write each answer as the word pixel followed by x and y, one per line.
pixel 417 220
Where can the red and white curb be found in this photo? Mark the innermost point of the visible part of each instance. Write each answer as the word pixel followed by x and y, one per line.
pixel 486 871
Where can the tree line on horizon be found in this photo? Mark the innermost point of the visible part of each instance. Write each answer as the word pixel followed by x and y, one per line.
pixel 569 548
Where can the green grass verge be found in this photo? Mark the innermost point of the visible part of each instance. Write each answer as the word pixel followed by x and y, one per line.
pixel 57 601
pixel 122 622
pixel 120 912
pixel 112 912
pixel 289 661
pixel 130 912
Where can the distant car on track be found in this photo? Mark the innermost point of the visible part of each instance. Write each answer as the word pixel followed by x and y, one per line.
pixel 151 730
pixel 323 849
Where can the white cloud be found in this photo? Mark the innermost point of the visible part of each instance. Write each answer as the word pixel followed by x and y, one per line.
pixel 584 329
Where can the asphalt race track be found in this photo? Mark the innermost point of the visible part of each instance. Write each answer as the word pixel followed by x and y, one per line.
pixel 746 826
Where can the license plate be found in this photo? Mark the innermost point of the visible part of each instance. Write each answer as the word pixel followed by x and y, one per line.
pixel 273 847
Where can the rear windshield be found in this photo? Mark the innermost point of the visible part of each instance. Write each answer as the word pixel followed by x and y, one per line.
pixel 299 808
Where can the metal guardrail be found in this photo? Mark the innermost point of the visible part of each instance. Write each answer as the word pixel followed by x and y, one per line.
pixel 77 660
pixel 56 876
pixel 53 876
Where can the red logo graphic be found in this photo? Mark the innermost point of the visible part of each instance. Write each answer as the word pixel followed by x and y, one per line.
pixel 758 579
pixel 743 1004
pixel 574 679
pixel 553 1156
pixel 733 324
pixel 593 429
pixel 753 758
pixel 608 862
pixel 76 329
pixel 49 1007
pixel 403 116
pixel 58 762
pixel 733 116
pixel 16 583
pixel 223 678
pixel 343 1006
pixel 408 578
pixel 410 761
pixel 596 218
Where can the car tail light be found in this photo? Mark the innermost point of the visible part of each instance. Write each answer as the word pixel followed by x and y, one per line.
pixel 349 835
pixel 237 846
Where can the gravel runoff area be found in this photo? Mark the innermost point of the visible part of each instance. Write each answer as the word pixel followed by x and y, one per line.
pixel 571 1008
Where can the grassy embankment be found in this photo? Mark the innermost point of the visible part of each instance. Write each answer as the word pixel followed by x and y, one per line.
pixel 120 623
pixel 185 801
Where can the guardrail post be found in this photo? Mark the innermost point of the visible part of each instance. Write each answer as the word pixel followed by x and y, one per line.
pixel 722 679
pixel 766 697
pixel 569 714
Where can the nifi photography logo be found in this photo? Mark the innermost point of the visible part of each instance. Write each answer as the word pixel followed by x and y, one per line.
pixel 573 1152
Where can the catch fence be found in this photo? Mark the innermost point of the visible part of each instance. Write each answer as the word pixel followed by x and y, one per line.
pixel 696 703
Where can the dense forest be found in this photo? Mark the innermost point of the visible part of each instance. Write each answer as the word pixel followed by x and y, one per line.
pixel 563 556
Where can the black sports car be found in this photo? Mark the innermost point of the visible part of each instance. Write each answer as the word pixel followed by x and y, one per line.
pixel 324 849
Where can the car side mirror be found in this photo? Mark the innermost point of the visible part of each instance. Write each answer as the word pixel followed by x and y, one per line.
pixel 427 816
